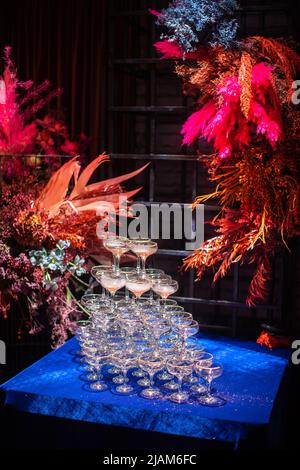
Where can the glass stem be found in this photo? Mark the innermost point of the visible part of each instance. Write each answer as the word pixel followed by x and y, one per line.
pixel 127 298
pixel 103 293
pixel 161 306
pixel 113 300
pixel 151 379
pixel 209 387
pixel 151 298
pixel 179 384
pixel 117 264
pixel 114 263
pixel 143 259
pixel 138 265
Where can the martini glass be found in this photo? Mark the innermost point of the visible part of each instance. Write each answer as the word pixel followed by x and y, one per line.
pixel 83 330
pixel 142 248
pixel 87 346
pixel 116 341
pixel 195 350
pixel 170 309
pixel 186 329
pixel 210 373
pixel 168 350
pixel 173 385
pixel 138 285
pixel 145 349
pixel 93 367
pixel 118 247
pixel 143 346
pixel 179 368
pixel 203 359
pixel 196 355
pixel 124 361
pixel 153 273
pixel 164 288
pixel 93 302
pixel 125 272
pixel 103 320
pixel 156 277
pixel 84 335
pixel 112 282
pixel 151 364
pixel 89 352
pixel 179 317
pixel 130 322
pixel 101 358
pixel 158 327
pixel 97 272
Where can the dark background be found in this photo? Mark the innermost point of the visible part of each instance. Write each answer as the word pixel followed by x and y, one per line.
pixel 101 54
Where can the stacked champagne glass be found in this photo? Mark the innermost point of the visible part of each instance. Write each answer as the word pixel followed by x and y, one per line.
pixel 138 343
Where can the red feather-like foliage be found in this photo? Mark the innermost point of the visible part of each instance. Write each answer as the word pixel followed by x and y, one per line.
pixel 169 50
pixel 22 131
pixel 227 126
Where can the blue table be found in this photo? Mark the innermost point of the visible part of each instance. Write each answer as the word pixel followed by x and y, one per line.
pixel 53 386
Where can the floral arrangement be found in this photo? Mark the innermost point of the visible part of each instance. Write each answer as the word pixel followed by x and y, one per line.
pixel 190 22
pixel 242 92
pixel 47 233
pixel 22 131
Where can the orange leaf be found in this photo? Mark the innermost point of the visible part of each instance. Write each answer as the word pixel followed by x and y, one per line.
pixel 105 185
pixel 56 190
pixel 93 204
pixel 87 173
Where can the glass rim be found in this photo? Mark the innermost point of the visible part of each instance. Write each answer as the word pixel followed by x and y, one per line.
pixel 156 270
pixel 112 275
pixel 116 240
pixel 155 360
pixel 128 269
pixel 212 367
pixel 194 323
pixel 92 295
pixel 173 362
pixel 175 307
pixel 136 278
pixel 207 354
pixel 181 314
pixel 166 281
pixel 100 268
pixel 139 240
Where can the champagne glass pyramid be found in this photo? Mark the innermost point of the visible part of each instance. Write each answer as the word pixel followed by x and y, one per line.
pixel 155 339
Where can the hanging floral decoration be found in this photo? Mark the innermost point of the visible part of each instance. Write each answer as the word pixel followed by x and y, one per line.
pixel 243 97
pixel 47 233
pixel 22 130
pixel 193 22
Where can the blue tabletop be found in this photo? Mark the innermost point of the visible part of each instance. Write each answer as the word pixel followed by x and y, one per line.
pixel 53 386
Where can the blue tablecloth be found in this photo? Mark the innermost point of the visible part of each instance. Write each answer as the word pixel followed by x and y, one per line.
pixel 250 383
